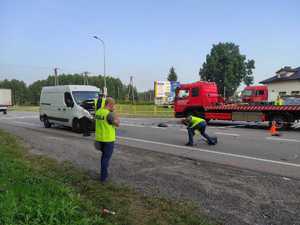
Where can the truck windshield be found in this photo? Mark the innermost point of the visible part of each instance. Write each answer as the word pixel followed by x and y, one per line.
pixel 247 93
pixel 80 96
pixel 181 94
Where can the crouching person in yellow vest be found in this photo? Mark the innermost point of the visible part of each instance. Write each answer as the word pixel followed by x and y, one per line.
pixel 105 134
pixel 196 123
pixel 279 101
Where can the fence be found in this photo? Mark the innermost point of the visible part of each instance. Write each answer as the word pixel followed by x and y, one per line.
pixel 144 111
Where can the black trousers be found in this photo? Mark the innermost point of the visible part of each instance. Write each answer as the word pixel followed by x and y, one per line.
pixel 86 126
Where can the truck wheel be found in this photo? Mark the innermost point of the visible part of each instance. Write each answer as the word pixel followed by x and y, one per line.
pixel 280 121
pixel 47 124
pixel 76 127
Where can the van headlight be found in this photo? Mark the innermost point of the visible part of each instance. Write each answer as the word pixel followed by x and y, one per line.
pixel 86 113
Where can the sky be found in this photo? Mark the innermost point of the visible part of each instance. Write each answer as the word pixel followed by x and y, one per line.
pixel 143 38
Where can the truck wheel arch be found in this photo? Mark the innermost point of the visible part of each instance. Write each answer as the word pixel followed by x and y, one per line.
pixel 194 111
pixel 283 120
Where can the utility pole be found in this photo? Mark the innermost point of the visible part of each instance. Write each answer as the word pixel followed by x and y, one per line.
pixel 85 78
pixel 131 87
pixel 118 92
pixel 104 64
pixel 56 77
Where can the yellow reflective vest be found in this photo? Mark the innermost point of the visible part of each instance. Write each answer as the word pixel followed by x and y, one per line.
pixel 105 132
pixel 196 120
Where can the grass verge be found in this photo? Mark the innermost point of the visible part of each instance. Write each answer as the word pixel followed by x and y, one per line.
pixel 24 108
pixel 144 111
pixel 38 190
pixel 126 110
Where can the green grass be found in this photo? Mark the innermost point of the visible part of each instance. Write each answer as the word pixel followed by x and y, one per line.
pixel 122 109
pixel 144 111
pixel 38 190
pixel 19 108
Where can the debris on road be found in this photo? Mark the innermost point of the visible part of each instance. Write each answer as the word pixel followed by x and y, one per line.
pixel 162 125
pixel 105 211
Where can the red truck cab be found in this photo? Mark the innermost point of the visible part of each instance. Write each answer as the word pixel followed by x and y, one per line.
pixel 255 94
pixel 193 97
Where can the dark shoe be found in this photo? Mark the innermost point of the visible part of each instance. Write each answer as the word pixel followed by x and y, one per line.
pixel 214 140
pixel 189 144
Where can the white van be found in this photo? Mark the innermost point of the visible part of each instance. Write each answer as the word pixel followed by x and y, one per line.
pixel 66 105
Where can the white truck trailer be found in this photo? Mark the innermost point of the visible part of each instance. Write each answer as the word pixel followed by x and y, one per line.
pixel 5 100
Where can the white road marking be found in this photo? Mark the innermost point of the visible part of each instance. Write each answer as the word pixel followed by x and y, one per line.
pixel 25 123
pixel 216 127
pixel 19 117
pixel 143 126
pixel 163 128
pixel 132 125
pixel 227 134
pixel 56 138
pixel 212 152
pixel 282 139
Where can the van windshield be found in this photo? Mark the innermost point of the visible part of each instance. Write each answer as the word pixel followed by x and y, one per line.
pixel 81 96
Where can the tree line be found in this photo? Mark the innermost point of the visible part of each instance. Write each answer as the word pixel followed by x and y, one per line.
pixel 225 66
pixel 23 94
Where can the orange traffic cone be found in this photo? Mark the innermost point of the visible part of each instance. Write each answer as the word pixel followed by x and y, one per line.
pixel 273 129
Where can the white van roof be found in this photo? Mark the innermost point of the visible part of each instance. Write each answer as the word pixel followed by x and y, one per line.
pixel 60 88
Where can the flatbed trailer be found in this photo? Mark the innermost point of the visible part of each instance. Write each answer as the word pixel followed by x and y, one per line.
pixel 283 115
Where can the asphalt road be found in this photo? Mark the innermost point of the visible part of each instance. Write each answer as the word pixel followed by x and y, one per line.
pixel 248 146
pixel 155 162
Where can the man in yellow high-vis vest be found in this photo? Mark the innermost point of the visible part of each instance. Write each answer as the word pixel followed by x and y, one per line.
pixel 105 134
pixel 279 101
pixel 197 123
pixel 99 102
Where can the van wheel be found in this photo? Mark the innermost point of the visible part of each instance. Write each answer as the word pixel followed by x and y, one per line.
pixel 76 127
pixel 47 124
pixel 4 112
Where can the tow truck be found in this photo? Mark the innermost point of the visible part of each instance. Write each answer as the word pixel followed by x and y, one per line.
pixel 201 98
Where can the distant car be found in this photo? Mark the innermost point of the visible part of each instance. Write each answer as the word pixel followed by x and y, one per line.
pixel 67 105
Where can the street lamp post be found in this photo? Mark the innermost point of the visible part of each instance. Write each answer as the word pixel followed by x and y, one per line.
pixel 104 65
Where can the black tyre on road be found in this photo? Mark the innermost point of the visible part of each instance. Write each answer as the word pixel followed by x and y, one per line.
pixel 281 122
pixel 76 126
pixel 47 124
